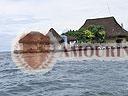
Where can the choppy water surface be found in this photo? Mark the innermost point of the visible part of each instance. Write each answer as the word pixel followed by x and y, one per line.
pixel 67 78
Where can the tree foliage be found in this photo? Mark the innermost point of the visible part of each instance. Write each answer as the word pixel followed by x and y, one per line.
pixel 91 34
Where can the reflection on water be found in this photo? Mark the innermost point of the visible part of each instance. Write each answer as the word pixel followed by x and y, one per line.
pixel 34 61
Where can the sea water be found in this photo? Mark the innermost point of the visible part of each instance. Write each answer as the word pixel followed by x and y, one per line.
pixel 73 77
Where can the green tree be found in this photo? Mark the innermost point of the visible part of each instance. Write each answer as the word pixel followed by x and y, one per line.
pixel 99 33
pixel 91 34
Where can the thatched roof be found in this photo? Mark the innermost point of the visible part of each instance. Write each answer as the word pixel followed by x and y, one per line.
pixel 112 28
pixel 71 38
pixel 54 36
pixel 35 37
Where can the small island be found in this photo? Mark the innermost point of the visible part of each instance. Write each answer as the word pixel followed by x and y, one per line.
pixel 94 31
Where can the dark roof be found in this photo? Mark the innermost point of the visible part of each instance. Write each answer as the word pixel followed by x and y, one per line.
pixel 34 37
pixel 112 28
pixel 71 38
pixel 54 36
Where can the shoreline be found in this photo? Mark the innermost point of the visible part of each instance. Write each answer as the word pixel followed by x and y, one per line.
pixel 68 50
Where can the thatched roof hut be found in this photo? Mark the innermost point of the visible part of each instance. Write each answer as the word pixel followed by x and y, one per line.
pixel 35 37
pixel 71 38
pixel 54 36
pixel 112 28
pixel 34 42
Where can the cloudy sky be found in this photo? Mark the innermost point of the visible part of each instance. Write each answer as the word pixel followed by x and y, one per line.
pixel 18 16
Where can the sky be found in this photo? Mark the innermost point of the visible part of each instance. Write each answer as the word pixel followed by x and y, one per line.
pixel 19 16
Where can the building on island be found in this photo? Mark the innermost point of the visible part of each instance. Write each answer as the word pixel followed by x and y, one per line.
pixel 55 39
pixel 115 33
pixel 34 42
pixel 65 40
pixel 69 40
